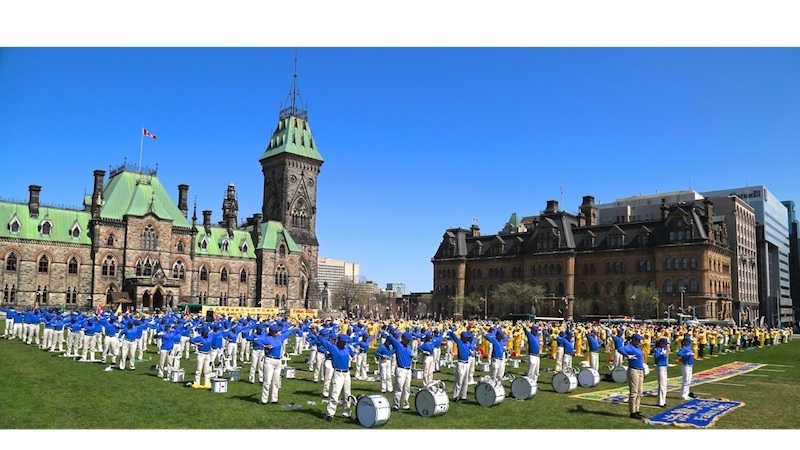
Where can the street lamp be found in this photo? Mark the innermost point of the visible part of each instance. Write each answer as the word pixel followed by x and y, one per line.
pixel 485 308
pixel 683 290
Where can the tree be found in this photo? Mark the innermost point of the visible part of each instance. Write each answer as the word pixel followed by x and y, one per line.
pixel 641 302
pixel 469 306
pixel 514 297
pixel 346 293
pixel 581 307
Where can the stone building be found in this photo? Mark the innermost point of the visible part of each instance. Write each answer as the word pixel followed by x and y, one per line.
pixel 132 239
pixel 573 257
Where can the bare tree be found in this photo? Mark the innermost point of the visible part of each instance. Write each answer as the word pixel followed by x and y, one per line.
pixel 514 297
pixel 347 293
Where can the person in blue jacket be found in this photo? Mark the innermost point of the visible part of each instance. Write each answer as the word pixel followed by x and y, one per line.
pixel 635 357
pixel 384 355
pixel 618 343
pixel 460 383
pixel 402 374
pixel 661 357
pixel 168 339
pixel 498 339
pixel 594 350
pixel 427 349
pixel 687 363
pixel 565 343
pixel 203 343
pixel 362 348
pixel 534 349
pixel 273 350
pixel 341 355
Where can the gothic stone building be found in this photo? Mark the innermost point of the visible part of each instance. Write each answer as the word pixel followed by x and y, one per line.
pixel 131 239
pixel 573 257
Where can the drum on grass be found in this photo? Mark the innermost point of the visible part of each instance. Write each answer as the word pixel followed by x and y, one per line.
pixel 523 388
pixel 288 372
pixel 588 378
pixel 176 376
pixel 432 401
pixel 564 382
pixel 373 411
pixel 489 393
pixel 619 374
pixel 219 385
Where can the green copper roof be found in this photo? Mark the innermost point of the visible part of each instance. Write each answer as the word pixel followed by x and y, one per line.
pixel 139 194
pixel 293 136
pixel 240 245
pixel 62 222
pixel 514 221
pixel 271 234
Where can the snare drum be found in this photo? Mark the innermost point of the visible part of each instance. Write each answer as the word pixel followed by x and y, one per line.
pixel 514 363
pixel 416 374
pixel 489 393
pixel 219 385
pixel 588 377
pixel 485 367
pixel 373 411
pixel 619 374
pixel 564 382
pixel 523 388
pixel 432 402
pixel 234 374
pixel 288 372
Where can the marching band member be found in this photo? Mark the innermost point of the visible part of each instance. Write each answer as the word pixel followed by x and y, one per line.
pixel 385 355
pixel 426 348
pixel 362 347
pixel 256 354
pixel 462 367
pixel 498 339
pixel 618 343
pixel 203 343
pixel 594 350
pixel 273 348
pixel 635 374
pixel 534 348
pixel 686 354
pixel 341 355
pixel 402 382
pixel 661 356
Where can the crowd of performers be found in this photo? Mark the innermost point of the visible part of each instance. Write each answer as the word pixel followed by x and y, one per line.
pixel 337 348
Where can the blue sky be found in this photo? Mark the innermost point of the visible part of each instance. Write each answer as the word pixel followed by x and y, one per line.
pixel 415 140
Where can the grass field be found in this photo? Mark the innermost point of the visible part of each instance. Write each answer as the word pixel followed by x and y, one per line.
pixel 56 393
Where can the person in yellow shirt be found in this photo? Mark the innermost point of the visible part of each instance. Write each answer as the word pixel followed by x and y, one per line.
pixel 645 345
pixel 553 342
pixel 579 338
pixel 712 341
pixel 702 341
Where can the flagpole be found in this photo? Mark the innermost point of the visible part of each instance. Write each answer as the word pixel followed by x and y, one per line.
pixel 141 144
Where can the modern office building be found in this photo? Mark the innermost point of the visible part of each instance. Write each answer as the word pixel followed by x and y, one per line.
pixel 772 243
pixel 794 257
pixel 131 238
pixel 333 270
pixel 398 288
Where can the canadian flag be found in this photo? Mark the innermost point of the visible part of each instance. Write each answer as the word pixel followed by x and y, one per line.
pixel 146 133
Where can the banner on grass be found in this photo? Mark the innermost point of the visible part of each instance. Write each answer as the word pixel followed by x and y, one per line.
pixel 697 413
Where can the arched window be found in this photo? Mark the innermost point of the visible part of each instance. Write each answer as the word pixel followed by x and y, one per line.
pixel 693 286
pixel 110 240
pixel 282 251
pixel 149 239
pixel 223 274
pixel 692 263
pixel 668 264
pixel 72 266
pixel 148 268
pixel 46 227
pixel 281 276
pixel 243 276
pixel 684 264
pixel 11 262
pixel 224 245
pixel 181 248
pixel 203 274
pixel 178 270
pixel 44 264
pixel 668 288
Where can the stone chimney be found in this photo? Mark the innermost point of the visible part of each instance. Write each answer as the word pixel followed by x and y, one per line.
pixel 183 194
pixel 589 210
pixel 476 230
pixel 709 206
pixel 33 200
pixel 207 221
pixel 664 209
pixel 552 207
pixel 97 192
pixel 257 217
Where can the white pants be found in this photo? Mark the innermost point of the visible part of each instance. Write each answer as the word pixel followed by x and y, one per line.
pixel 58 340
pixel 128 349
pixel 272 380
pixel 686 380
pixel 559 359
pixel 533 368
pixel 231 354
pixel 402 388
pixel 566 362
pixel 661 374
pixel 461 380
pixel 385 371
pixel 9 327
pixel 47 338
pixel 111 347
pixel 361 366
pixel 328 378
pixel 203 369
pixel 427 369
pixel 437 355
pixel 497 369
pixel 164 361
pixel 88 347
pixel 319 366
pixel 257 364
pixel 184 346
pixel 594 360
pixel 340 382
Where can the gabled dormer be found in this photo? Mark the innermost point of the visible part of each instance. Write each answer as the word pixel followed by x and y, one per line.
pixel 615 238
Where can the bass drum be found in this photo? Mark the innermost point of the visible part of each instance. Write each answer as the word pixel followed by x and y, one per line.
pixel 564 383
pixel 373 411
pixel 489 393
pixel 523 388
pixel 588 377
pixel 619 374
pixel 432 402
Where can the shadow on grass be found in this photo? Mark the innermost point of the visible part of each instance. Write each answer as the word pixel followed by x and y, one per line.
pixel 579 409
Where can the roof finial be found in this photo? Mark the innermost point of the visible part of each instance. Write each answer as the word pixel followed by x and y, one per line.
pixel 294 101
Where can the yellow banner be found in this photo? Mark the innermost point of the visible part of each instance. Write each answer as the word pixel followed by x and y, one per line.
pixel 241 311
pixel 300 313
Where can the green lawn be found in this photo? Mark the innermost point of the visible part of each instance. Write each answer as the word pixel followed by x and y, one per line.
pixel 41 390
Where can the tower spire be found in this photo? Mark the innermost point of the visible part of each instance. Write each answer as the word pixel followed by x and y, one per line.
pixel 293 100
